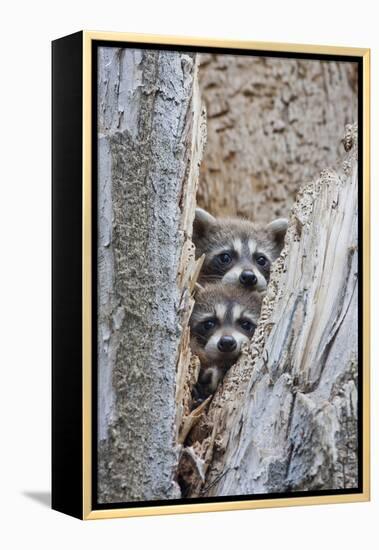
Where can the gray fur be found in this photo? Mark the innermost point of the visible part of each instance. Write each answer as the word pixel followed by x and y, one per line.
pixel 214 236
pixel 228 305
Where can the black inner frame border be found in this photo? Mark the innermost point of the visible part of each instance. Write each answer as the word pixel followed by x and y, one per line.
pixel 94 165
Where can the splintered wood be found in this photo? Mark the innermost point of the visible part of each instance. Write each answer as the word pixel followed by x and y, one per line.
pixel 151 132
pixel 285 417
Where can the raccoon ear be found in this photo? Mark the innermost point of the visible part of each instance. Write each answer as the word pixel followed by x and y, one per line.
pixel 278 229
pixel 201 223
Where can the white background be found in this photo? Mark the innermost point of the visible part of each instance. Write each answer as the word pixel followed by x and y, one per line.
pixel 27 29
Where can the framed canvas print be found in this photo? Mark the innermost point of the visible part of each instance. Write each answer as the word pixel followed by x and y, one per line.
pixel 210 275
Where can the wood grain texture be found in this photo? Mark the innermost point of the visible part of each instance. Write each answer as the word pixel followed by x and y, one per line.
pixel 150 134
pixel 273 125
pixel 285 417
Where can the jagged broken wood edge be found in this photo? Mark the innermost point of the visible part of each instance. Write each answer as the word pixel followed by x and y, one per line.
pixel 159 144
pixel 245 375
pixel 189 268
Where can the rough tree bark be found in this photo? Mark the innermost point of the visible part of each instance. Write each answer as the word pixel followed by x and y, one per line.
pixel 285 417
pixel 150 136
pixel 273 124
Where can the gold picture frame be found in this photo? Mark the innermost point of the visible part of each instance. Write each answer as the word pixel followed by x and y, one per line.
pixel 85 509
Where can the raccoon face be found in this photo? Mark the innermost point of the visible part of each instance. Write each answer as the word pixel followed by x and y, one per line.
pixel 237 251
pixel 223 319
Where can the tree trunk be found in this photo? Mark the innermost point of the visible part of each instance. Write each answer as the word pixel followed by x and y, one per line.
pixel 150 136
pixel 285 417
pixel 273 124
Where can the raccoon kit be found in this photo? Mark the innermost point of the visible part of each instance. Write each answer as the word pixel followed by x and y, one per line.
pixel 223 319
pixel 237 251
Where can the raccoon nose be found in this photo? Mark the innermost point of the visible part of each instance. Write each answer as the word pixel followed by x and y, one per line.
pixel 227 343
pixel 248 278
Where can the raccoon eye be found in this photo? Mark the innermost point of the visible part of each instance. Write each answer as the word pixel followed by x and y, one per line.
pixel 209 324
pixel 247 325
pixel 261 260
pixel 225 258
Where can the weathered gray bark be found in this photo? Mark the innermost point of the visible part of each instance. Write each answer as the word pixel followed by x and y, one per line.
pixel 150 135
pixel 285 417
pixel 273 125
